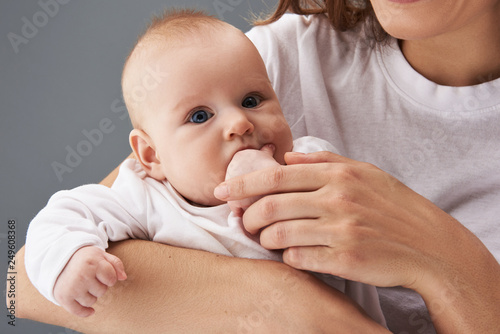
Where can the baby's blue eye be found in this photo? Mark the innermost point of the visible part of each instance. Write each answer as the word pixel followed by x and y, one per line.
pixel 250 102
pixel 200 116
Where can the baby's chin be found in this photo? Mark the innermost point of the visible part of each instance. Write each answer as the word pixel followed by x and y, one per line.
pixel 200 193
pixel 206 202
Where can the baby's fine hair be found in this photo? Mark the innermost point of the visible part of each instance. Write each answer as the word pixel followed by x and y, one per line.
pixel 169 29
pixel 177 23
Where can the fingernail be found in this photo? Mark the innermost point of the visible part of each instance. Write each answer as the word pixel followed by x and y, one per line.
pixel 221 191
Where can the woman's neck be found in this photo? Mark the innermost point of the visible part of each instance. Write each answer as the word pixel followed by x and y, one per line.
pixel 464 57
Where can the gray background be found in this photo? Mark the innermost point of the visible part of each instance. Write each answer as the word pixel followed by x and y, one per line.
pixel 59 77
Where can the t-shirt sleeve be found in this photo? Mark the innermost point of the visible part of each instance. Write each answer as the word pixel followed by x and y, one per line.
pixel 277 45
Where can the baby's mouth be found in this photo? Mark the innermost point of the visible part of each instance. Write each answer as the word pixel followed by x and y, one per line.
pixel 243 148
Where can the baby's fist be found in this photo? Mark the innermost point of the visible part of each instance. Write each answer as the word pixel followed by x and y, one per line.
pixel 86 277
pixel 248 161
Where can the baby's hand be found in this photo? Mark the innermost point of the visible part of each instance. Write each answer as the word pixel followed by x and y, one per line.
pixel 248 161
pixel 86 277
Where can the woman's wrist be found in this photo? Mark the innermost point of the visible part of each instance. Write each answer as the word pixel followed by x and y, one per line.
pixel 300 303
pixel 462 287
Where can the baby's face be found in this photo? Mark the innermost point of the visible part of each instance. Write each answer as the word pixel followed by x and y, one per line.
pixel 214 100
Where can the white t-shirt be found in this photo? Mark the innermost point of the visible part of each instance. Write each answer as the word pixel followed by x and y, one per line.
pixel 365 99
pixel 140 207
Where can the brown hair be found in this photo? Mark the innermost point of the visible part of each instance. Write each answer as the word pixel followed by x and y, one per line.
pixel 343 14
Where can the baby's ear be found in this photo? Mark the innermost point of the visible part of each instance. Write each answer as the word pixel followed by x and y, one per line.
pixel 144 150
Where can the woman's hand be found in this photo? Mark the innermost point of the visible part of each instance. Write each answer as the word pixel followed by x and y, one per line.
pixel 350 219
pixel 343 217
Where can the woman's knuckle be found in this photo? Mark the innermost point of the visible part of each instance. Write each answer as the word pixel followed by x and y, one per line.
pixel 239 186
pixel 269 208
pixel 275 177
pixel 342 199
pixel 344 173
pixel 353 229
pixel 350 257
pixel 279 235
pixel 339 201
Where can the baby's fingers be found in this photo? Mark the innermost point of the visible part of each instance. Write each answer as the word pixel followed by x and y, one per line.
pixel 110 270
pixel 117 265
pixel 86 300
pixel 96 289
pixel 77 309
pixel 269 149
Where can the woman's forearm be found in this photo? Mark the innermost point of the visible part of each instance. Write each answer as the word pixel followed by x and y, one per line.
pixel 463 295
pixel 369 227
pixel 179 290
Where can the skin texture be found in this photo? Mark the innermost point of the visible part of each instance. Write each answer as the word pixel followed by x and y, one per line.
pixel 86 277
pixel 384 233
pixel 199 296
pixel 355 221
pixel 457 46
pixel 202 112
pixel 461 286
pixel 228 89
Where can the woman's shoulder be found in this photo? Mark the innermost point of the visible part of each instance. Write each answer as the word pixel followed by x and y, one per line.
pixel 295 41
pixel 294 29
pixel 291 24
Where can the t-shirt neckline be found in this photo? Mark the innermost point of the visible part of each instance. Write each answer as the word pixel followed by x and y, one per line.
pixel 417 89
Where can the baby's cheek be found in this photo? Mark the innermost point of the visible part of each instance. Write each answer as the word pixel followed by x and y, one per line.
pixel 198 188
pixel 208 185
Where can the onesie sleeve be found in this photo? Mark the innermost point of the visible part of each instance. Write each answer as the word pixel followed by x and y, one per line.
pixel 89 215
pixel 309 144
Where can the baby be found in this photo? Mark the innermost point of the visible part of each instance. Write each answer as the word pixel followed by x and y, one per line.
pixel 201 104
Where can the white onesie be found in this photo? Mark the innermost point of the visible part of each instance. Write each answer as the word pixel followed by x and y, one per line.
pixel 140 207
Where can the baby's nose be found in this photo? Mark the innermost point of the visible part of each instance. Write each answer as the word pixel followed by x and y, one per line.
pixel 237 124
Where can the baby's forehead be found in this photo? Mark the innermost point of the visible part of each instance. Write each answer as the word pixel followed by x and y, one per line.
pixel 209 34
pixel 159 43
pixel 151 57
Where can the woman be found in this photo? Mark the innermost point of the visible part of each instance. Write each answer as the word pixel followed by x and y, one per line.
pixel 425 109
